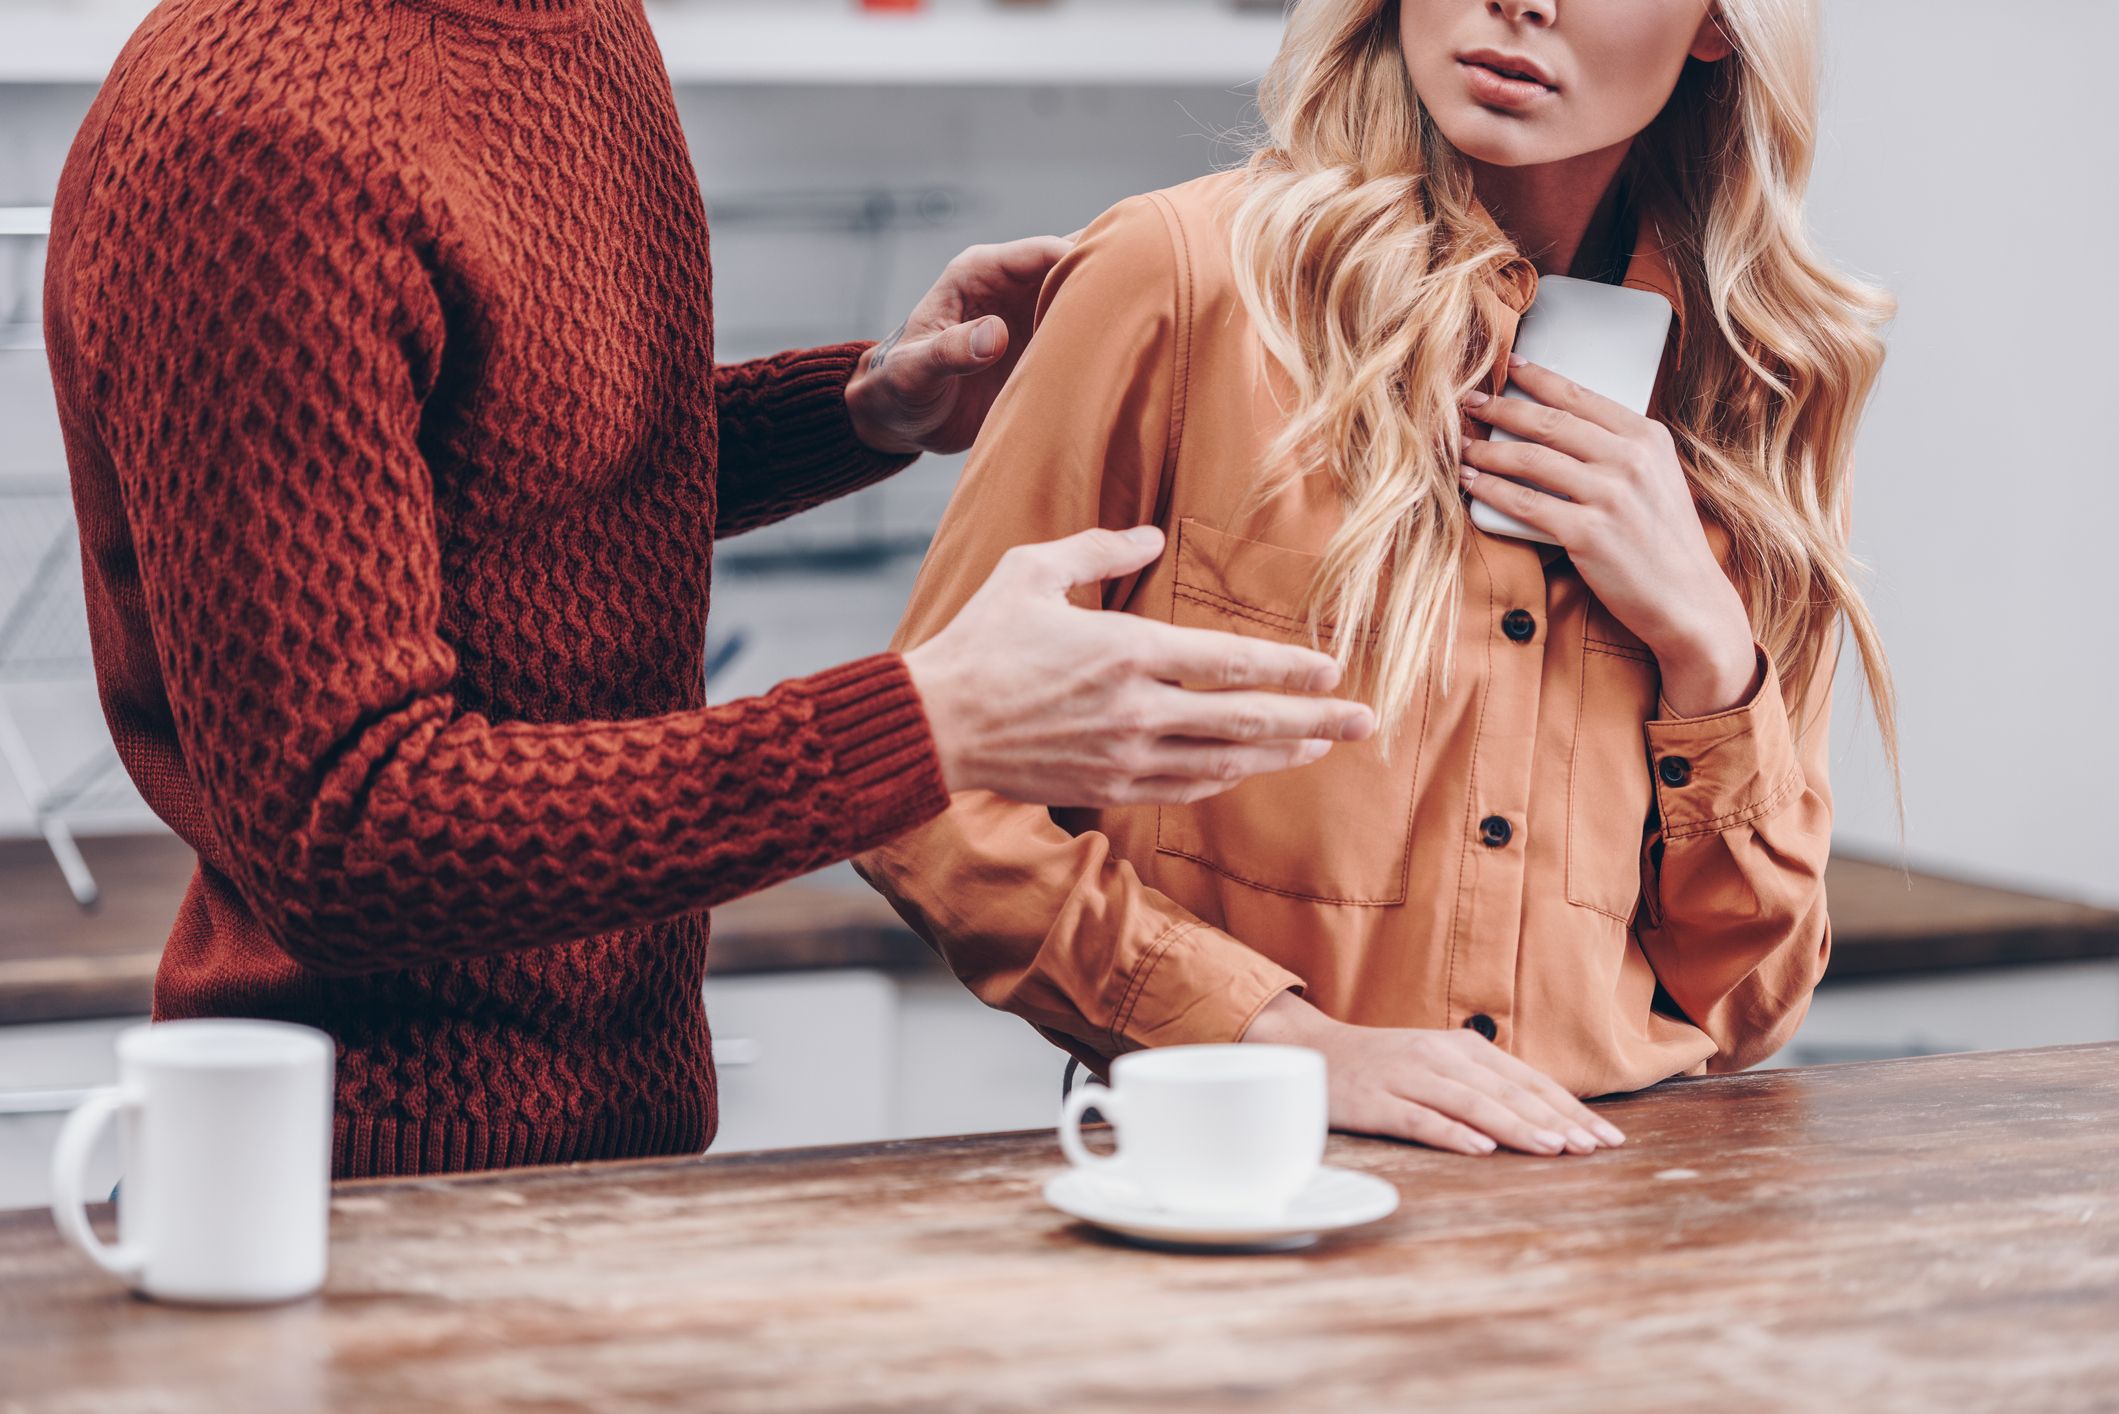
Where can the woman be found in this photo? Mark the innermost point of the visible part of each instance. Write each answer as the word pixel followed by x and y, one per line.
pixel 1586 850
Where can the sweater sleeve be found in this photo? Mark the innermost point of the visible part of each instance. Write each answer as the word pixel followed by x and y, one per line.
pixel 1044 921
pixel 252 330
pixel 787 442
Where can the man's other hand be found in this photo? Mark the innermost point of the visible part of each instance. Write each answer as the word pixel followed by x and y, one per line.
pixel 928 386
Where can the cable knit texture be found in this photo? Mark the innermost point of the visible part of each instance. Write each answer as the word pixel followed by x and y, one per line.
pixel 383 343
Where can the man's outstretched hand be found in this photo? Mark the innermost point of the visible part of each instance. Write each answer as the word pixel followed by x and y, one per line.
pixel 1038 700
pixel 928 386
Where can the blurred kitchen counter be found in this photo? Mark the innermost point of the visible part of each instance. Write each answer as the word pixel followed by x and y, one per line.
pixel 58 963
pixel 1924 1234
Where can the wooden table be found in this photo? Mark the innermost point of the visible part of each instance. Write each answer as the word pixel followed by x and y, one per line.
pixel 60 964
pixel 1904 1235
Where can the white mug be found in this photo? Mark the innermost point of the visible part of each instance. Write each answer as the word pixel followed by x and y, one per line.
pixel 1230 1129
pixel 225 1148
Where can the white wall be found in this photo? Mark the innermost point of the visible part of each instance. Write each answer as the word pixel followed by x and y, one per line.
pixel 1978 186
pixel 1975 186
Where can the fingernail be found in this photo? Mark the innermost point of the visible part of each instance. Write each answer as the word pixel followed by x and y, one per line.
pixel 1474 398
pixel 1584 1138
pixel 1611 1132
pixel 1144 535
pixel 1469 473
pixel 1484 1143
pixel 1516 360
pixel 986 339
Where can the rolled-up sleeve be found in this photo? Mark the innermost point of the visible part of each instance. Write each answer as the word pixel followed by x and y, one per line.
pixel 1039 920
pixel 1734 919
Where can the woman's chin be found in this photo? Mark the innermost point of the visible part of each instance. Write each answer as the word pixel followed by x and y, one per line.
pixel 1500 139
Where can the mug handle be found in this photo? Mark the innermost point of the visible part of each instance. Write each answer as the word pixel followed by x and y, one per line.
pixel 69 1170
pixel 1085 1097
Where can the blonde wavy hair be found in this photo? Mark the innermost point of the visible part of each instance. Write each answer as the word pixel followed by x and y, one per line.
pixel 1358 257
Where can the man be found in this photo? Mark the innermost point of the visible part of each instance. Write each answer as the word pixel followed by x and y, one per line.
pixel 383 344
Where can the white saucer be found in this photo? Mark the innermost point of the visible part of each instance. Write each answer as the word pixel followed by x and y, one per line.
pixel 1336 1198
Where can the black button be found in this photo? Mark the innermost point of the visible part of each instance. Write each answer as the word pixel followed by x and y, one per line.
pixel 1519 625
pixel 1483 1024
pixel 1494 831
pixel 1675 770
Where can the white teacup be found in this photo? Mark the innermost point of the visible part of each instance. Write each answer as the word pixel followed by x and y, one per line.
pixel 1234 1129
pixel 225 1148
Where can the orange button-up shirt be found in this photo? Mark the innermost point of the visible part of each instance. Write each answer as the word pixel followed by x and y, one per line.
pixel 1547 853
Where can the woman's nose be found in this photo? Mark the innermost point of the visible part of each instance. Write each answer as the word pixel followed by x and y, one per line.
pixel 1536 12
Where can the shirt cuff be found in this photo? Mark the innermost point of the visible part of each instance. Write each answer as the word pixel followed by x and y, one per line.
pixel 1723 770
pixel 1197 986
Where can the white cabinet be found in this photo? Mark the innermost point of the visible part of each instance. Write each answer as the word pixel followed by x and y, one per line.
pixel 836 1056
pixel 840 1057
pixel 803 1057
pixel 43 1070
pixel 964 1068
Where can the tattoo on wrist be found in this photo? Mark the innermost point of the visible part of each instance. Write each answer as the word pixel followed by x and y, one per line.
pixel 882 350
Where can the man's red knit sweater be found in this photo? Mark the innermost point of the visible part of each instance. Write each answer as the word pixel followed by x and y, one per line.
pixel 384 352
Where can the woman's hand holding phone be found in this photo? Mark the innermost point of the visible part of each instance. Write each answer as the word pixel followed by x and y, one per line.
pixel 1628 523
pixel 1452 1090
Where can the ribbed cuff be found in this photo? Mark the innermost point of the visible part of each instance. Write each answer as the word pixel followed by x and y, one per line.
pixel 792 444
pixel 1717 772
pixel 884 764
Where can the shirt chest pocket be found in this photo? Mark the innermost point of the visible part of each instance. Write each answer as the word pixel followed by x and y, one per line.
pixel 1336 831
pixel 1610 793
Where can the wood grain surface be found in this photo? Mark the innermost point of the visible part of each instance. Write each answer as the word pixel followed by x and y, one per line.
pixel 1932 1234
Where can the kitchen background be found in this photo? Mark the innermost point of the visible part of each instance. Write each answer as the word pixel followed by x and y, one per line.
pixel 847 156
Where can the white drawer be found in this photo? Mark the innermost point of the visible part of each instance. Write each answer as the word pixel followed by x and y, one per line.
pixel 803 1058
pixel 42 1070
pixel 965 1068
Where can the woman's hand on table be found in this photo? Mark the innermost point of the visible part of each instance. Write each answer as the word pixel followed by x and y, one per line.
pixel 1452 1090
pixel 1628 523
pixel 1040 701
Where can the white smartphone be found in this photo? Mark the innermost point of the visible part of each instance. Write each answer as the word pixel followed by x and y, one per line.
pixel 1608 338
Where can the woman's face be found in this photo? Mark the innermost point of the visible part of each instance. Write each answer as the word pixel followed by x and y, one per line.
pixel 1601 70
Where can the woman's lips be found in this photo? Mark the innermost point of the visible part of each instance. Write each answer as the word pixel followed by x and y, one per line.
pixel 1488 86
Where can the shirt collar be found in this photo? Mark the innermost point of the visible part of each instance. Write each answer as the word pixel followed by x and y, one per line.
pixel 1649 267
